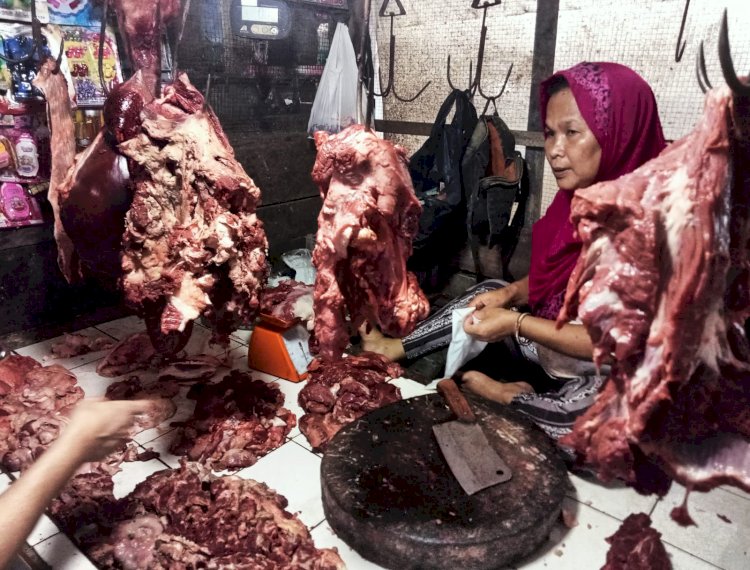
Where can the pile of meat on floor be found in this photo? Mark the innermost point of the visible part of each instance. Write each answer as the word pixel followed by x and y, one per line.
pixel 236 421
pixel 369 217
pixel 662 287
pixel 637 546
pixel 34 401
pixel 187 518
pixel 339 392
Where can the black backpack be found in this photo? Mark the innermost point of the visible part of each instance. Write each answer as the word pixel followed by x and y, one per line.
pixel 491 195
pixel 437 177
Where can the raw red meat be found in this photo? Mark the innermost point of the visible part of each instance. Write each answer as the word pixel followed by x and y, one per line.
pixel 191 368
pixel 662 287
pixel 188 518
pixel 289 301
pixel 637 546
pixel 369 217
pixel 161 393
pixel 74 344
pixel 131 353
pixel 339 392
pixel 192 244
pixel 236 422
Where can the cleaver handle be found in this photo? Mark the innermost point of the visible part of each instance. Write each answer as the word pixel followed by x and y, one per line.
pixel 456 400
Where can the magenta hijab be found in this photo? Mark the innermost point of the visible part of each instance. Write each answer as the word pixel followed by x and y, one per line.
pixel 620 109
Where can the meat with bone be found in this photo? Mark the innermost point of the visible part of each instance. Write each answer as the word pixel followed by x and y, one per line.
pixel 188 518
pixel 236 422
pixel 637 546
pixel 661 286
pixel 63 151
pixel 32 409
pixel 289 301
pixel 192 244
pixel 339 392
pixel 369 217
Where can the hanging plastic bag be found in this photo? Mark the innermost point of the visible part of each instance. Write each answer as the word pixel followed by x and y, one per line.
pixel 335 105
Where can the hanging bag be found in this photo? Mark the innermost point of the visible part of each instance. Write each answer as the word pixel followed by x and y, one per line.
pixel 335 104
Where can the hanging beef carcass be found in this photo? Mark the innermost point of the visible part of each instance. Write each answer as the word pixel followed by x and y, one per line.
pixel 662 286
pixel 365 229
pixel 158 202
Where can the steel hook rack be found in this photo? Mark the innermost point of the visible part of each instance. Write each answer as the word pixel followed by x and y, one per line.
pixel 475 81
pixel 391 87
pixel 727 65
pixel 37 42
pixel 680 49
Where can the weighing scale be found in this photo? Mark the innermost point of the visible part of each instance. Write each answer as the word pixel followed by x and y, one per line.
pixel 280 348
pixel 261 19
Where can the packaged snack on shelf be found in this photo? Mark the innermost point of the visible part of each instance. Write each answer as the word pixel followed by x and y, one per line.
pixel 27 141
pixel 17 207
pixel 20 10
pixel 75 12
pixel 82 53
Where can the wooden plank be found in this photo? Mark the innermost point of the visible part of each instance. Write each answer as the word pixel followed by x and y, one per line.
pixel 534 139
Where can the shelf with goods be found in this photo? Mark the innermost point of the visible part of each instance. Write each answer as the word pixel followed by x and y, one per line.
pixel 24 133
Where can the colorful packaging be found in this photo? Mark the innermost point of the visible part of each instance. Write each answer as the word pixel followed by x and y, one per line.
pixel 17 208
pixel 27 157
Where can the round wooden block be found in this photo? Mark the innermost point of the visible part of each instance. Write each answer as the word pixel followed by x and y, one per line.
pixel 390 495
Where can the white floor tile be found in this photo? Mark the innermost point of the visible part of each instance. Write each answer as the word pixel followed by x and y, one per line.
pixel 42 351
pixel 43 529
pixel 615 498
pixel 724 544
pixel 161 446
pixel 4 482
pixel 121 328
pixel 324 537
pixel 681 560
pixel 95 386
pixel 199 343
pixel 242 336
pixel 295 473
pixel 133 473
pixel 61 554
pixel 300 439
pixel 410 388
pixel 736 491
pixel 582 546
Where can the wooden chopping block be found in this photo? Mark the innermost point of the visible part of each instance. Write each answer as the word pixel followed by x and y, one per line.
pixel 389 494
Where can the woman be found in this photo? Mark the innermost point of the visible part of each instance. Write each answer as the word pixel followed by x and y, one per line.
pixel 600 122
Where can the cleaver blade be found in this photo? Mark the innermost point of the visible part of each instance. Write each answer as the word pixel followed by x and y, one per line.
pixel 472 460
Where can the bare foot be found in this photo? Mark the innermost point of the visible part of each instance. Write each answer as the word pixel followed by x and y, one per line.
pixel 484 386
pixel 376 341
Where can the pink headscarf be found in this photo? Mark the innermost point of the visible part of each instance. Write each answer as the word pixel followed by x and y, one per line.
pixel 620 109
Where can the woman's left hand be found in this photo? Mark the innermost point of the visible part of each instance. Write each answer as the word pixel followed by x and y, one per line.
pixel 491 324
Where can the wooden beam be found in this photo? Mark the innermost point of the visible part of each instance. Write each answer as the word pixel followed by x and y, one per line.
pixel 523 138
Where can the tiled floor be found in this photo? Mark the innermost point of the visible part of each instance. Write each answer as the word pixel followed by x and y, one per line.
pixel 721 539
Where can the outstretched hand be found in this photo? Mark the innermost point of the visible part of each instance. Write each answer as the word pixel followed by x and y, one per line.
pixel 491 324
pixel 99 427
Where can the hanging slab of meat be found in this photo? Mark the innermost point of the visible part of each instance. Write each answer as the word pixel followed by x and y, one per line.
pixel 192 244
pixel 662 287
pixel 63 151
pixel 33 407
pixel 637 546
pixel 339 392
pixel 365 230
pixel 188 518
pixel 236 422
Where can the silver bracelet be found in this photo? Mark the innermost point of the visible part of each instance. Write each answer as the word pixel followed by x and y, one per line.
pixel 519 320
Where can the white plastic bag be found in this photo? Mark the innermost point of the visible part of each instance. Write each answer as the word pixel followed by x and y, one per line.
pixel 301 261
pixel 463 347
pixel 335 105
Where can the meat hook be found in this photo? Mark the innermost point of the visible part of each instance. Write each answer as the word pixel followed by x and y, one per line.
pixel 700 70
pixel 727 65
pixel 36 40
pixel 475 82
pixel 494 99
pixel 680 49
pixel 100 59
pixel 390 87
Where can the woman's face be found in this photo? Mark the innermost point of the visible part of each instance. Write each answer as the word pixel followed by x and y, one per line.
pixel 570 146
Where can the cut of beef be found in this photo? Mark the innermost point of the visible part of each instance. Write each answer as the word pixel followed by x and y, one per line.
pixel 637 546
pixel 290 301
pixel 192 244
pixel 661 286
pixel 365 229
pixel 235 422
pixel 74 344
pixel 192 368
pixel 131 353
pixel 188 518
pixel 160 393
pixel 339 392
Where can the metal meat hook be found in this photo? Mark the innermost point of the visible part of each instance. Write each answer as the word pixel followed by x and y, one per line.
pixel 727 65
pixel 475 83
pixel 390 87
pixel 36 42
pixel 680 49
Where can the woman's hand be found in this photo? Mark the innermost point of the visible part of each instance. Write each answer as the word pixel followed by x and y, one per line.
pixel 491 324
pixel 99 427
pixel 517 293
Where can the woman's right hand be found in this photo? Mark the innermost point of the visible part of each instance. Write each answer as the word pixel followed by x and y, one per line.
pixel 502 298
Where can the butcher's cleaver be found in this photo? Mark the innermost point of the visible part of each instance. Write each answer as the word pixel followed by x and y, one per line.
pixel 473 461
